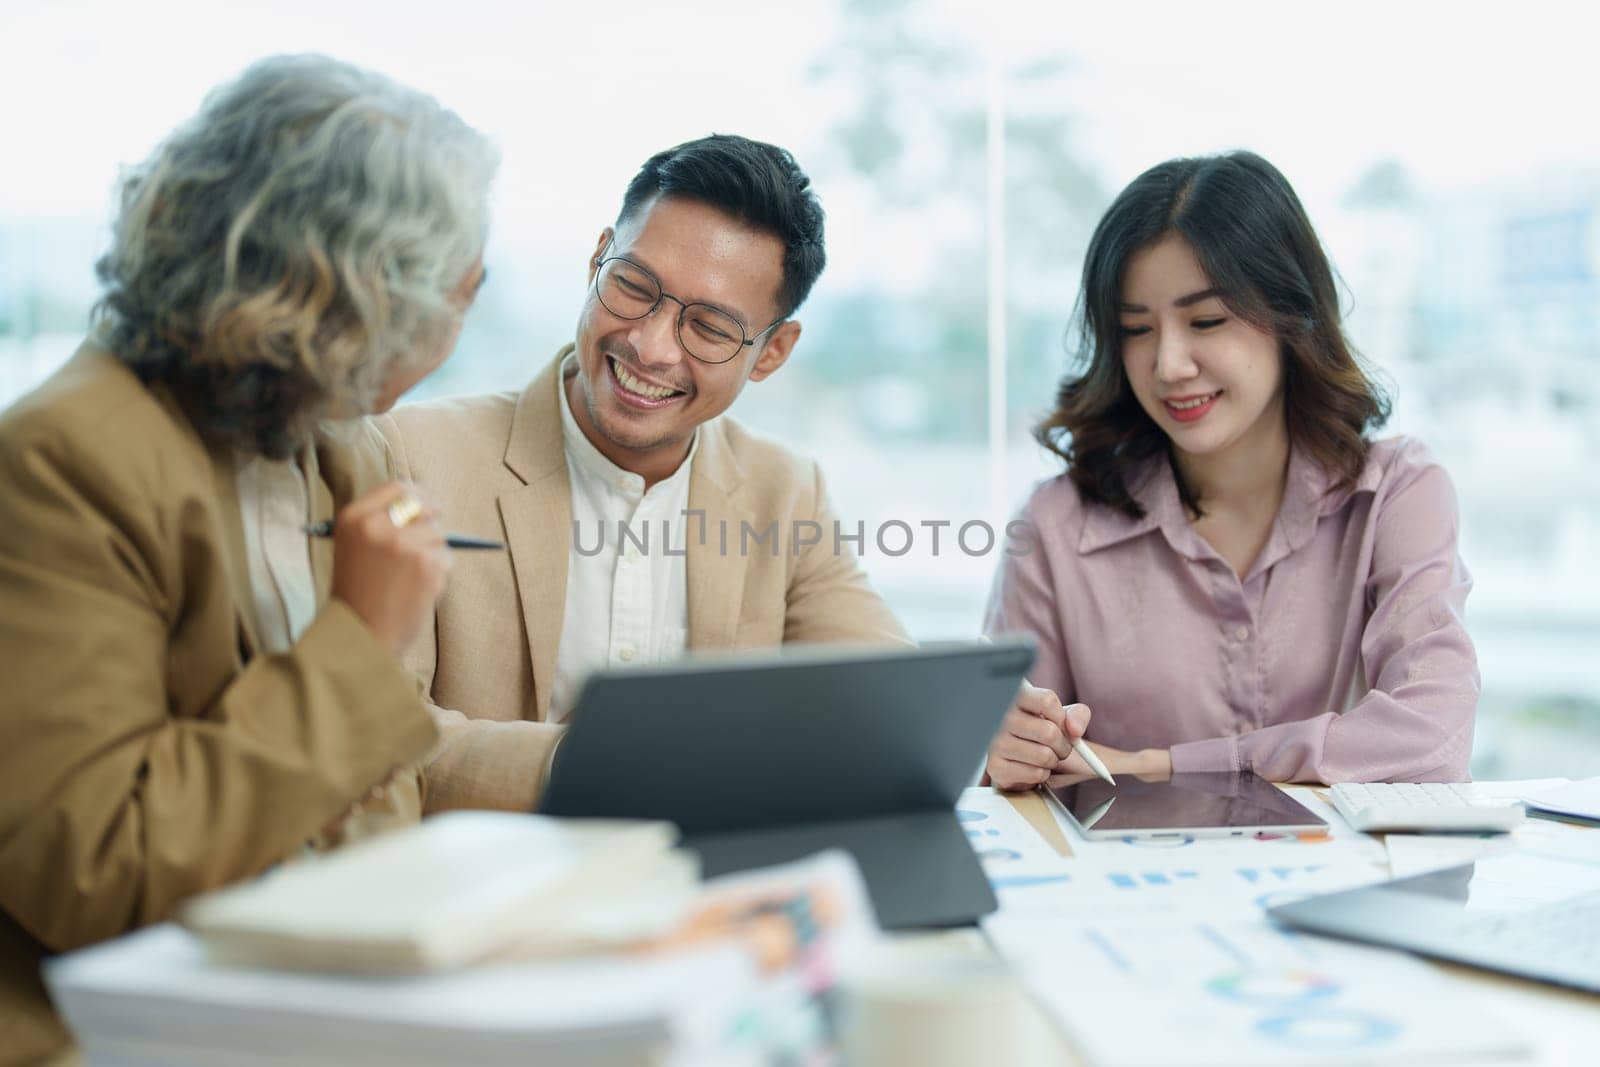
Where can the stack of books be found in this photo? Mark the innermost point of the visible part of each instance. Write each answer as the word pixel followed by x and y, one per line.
pixel 482 938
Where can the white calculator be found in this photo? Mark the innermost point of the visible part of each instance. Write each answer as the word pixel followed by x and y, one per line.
pixel 1422 807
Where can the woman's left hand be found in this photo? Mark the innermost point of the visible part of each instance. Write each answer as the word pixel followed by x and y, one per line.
pixel 1145 763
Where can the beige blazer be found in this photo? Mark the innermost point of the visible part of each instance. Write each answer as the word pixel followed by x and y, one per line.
pixel 496 466
pixel 147 752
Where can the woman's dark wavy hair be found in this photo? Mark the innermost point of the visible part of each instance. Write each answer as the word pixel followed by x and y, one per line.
pixel 1253 240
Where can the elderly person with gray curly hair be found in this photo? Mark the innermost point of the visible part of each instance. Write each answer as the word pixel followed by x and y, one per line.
pixel 193 689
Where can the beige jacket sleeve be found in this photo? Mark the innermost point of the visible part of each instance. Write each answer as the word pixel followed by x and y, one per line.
pixel 478 762
pixel 119 794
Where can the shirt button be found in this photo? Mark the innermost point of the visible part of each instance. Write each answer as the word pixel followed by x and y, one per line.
pixel 625 653
pixel 1242 633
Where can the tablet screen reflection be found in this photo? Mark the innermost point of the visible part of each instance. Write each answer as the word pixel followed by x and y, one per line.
pixel 1192 801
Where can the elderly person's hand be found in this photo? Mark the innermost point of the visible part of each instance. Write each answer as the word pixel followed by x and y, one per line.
pixel 390 562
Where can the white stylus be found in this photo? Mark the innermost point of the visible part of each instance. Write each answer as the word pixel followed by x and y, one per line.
pixel 1081 747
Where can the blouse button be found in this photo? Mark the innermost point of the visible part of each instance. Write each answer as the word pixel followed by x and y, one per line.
pixel 1242 633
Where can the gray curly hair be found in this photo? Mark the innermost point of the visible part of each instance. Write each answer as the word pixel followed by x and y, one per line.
pixel 279 257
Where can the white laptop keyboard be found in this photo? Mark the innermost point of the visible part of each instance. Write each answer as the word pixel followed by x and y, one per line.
pixel 1386 806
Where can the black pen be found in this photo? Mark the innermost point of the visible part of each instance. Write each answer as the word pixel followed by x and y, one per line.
pixel 325 529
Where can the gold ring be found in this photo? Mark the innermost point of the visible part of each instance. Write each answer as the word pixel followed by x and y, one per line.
pixel 404 510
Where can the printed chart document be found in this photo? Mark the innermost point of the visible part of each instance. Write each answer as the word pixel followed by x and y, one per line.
pixel 1240 876
pixel 1013 855
pixel 1240 993
pixel 998 834
pixel 1153 953
pixel 1413 854
pixel 1198 887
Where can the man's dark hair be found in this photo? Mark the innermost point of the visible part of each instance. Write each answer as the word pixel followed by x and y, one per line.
pixel 759 184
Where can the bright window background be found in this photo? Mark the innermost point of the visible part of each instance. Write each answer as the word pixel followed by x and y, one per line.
pixel 1450 164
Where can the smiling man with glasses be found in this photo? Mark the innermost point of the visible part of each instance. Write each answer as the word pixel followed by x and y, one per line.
pixel 640 523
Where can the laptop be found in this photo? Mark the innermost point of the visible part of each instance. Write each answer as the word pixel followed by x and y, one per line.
pixel 765 758
pixel 1520 912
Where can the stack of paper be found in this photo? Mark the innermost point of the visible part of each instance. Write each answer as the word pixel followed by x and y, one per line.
pixel 155 997
pixel 1578 801
pixel 481 938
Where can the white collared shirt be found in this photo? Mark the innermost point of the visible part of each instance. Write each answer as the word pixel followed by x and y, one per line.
pixel 624 606
pixel 274 502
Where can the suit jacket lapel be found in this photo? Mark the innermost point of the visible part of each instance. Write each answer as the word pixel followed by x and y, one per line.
pixel 537 517
pixel 715 568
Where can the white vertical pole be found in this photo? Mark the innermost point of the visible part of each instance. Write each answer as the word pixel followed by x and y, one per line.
pixel 995 197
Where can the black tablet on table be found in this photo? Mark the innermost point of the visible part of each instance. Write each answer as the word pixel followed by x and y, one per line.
pixel 764 758
pixel 1188 804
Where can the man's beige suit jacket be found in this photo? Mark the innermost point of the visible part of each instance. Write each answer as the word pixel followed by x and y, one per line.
pixel 496 466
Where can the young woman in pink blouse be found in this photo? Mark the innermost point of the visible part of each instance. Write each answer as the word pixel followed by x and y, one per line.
pixel 1230 573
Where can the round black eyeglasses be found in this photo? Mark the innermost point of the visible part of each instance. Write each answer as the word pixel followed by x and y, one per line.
pixel 709 334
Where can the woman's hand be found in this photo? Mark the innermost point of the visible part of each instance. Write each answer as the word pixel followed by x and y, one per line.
pixel 390 562
pixel 1149 763
pixel 1035 738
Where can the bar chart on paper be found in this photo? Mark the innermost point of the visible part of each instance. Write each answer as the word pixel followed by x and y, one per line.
pixel 1211 878
pixel 1124 880
pixel 1202 887
pixel 1273 875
